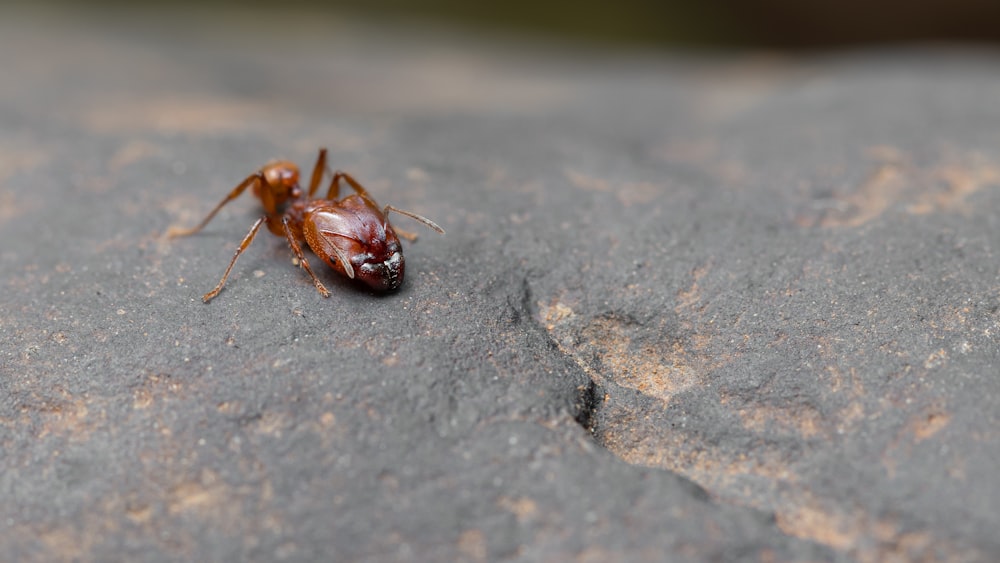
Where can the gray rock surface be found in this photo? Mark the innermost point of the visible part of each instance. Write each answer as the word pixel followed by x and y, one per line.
pixel 688 308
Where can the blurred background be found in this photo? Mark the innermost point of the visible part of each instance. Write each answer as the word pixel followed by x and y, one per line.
pixel 781 24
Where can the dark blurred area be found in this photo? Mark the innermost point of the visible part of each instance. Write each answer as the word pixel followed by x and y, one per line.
pixel 785 24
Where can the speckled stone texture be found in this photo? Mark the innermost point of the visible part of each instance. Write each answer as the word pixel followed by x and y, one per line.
pixel 688 308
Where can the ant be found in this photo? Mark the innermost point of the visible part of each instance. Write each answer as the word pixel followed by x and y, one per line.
pixel 352 235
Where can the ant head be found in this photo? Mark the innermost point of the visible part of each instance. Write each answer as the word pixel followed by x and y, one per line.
pixel 375 261
pixel 383 270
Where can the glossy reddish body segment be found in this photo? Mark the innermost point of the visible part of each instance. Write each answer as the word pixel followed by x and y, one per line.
pixel 352 235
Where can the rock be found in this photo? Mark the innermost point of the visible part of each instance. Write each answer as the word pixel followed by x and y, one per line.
pixel 688 308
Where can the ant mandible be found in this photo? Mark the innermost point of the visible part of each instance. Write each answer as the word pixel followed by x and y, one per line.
pixel 352 235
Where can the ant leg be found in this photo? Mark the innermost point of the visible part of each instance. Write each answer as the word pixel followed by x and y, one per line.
pixel 318 170
pixel 256 177
pixel 243 246
pixel 334 190
pixel 409 236
pixel 302 258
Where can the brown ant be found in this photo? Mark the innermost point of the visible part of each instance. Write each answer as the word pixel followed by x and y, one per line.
pixel 352 235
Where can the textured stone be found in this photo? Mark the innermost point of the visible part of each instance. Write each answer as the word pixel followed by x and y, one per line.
pixel 687 308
